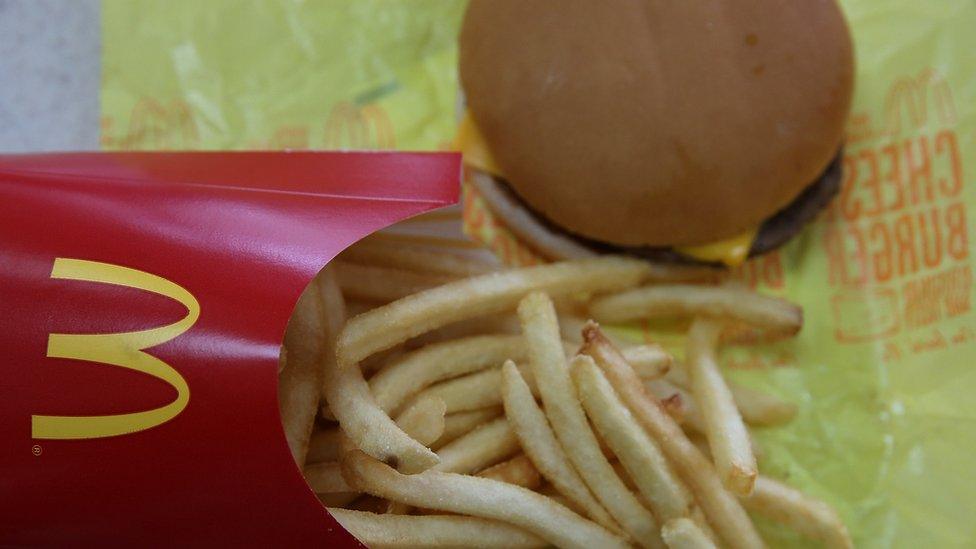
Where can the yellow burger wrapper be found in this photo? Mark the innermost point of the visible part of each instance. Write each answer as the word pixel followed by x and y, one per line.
pixel 883 371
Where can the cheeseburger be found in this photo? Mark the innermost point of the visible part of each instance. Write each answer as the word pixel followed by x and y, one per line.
pixel 680 132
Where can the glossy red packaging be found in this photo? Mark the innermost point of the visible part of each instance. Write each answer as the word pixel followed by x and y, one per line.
pixel 144 297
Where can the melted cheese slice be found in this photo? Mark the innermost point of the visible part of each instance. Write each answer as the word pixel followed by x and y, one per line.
pixel 731 251
pixel 473 147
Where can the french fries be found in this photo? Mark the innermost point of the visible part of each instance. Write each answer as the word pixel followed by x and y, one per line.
pixel 412 372
pixel 649 361
pixel 300 379
pixel 470 392
pixel 416 258
pixel 482 447
pixel 808 516
pixel 423 420
pixel 600 461
pixel 756 407
pixel 459 423
pixel 349 399
pixel 724 428
pixel 723 511
pixel 326 478
pixel 682 533
pixel 478 497
pixel 641 457
pixel 518 471
pixel 390 531
pixel 382 284
pixel 540 444
pixel 385 326
pixel 565 414
pixel 730 302
pixel 481 389
pixel 323 446
pixel 759 408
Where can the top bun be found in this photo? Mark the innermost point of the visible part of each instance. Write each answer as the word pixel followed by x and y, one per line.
pixel 648 123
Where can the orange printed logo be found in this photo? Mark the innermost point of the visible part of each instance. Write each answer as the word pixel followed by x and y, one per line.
pixel 124 349
pixel 359 127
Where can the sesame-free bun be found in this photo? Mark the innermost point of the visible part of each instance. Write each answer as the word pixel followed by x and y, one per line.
pixel 652 123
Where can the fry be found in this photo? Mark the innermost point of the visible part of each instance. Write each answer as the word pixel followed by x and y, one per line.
pixel 723 511
pixel 326 478
pixel 493 324
pixel 756 407
pixel 417 258
pixel 683 533
pixel 571 328
pixel 479 497
pixel 382 284
pixel 565 414
pixel 482 447
pixel 684 409
pixel 518 470
pixel 348 396
pixel 432 531
pixel 641 457
pixel 385 326
pixel 300 381
pixel 809 516
pixel 481 389
pixel 649 361
pixel 760 408
pixel 672 300
pixel 337 499
pixel 724 428
pixel 323 446
pixel 423 420
pixel 540 444
pixel 460 423
pixel 412 372
pixel 473 391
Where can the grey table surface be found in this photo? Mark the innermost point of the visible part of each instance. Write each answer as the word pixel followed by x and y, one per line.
pixel 49 75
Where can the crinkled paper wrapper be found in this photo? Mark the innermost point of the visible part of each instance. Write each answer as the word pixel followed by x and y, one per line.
pixel 883 370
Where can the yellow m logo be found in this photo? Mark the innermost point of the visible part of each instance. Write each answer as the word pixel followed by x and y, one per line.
pixel 122 349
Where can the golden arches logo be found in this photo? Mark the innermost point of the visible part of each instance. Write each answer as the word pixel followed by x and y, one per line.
pixel 125 350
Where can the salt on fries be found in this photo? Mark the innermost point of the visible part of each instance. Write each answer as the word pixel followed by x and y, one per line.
pixel 421 259
pixel 724 428
pixel 723 511
pixel 300 378
pixel 600 461
pixel 518 471
pixel 682 533
pixel 811 517
pixel 413 372
pixel 480 448
pixel 478 497
pixel 640 456
pixel 382 531
pixel 413 315
pixel 457 424
pixel 687 300
pixel 353 405
pixel 423 420
pixel 540 444
pixel 381 284
pixel 565 414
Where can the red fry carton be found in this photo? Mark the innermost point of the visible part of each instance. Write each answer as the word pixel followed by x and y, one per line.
pixel 145 296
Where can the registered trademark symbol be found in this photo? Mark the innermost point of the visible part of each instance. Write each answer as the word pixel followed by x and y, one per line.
pixel 36 449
